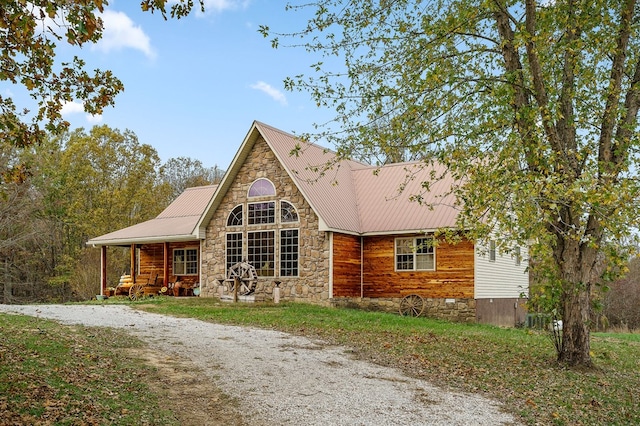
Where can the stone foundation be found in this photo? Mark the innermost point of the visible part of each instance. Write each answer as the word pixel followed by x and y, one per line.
pixel 459 310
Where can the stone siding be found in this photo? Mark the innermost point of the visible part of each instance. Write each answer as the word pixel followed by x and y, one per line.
pixel 459 310
pixel 312 283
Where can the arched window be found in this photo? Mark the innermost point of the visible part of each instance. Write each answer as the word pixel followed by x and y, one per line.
pixel 261 188
pixel 235 217
pixel 288 213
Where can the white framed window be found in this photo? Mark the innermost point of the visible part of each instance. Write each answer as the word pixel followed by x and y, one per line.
pixel 261 188
pixel 185 261
pixel 517 255
pixel 233 249
pixel 415 254
pixel 261 213
pixel 235 217
pixel 288 213
pixel 492 251
pixel 261 252
pixel 289 248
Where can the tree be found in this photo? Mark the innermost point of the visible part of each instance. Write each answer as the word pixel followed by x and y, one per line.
pixel 533 108
pixel 89 184
pixel 182 172
pixel 29 33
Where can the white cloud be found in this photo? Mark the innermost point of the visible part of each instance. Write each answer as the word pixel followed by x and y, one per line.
pixel 274 93
pixel 70 108
pixel 221 5
pixel 120 32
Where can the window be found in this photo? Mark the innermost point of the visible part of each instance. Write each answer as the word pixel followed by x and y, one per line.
pixel 234 250
pixel 260 213
pixel 185 261
pixel 518 256
pixel 289 253
pixel 262 188
pixel 261 252
pixel 287 212
pixel 235 217
pixel 415 254
pixel 492 251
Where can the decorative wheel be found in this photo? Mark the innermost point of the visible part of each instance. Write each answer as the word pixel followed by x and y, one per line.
pixel 136 292
pixel 412 305
pixel 246 275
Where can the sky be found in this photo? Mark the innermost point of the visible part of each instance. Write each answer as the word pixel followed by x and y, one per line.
pixel 194 86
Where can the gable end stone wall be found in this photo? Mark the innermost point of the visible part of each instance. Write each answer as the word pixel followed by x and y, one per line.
pixel 312 283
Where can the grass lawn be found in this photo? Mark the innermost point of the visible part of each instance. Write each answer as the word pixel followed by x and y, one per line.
pixel 516 366
pixel 52 374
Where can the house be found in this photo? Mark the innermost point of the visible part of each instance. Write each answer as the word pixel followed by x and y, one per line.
pixel 343 234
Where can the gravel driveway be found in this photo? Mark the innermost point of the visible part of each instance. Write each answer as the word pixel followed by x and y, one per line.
pixel 289 380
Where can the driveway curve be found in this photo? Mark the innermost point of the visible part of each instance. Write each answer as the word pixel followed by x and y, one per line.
pixel 289 380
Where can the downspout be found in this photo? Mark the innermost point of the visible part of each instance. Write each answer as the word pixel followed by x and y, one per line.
pixel 361 267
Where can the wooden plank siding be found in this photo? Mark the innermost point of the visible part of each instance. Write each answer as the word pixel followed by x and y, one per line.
pixel 453 277
pixel 152 262
pixel 346 265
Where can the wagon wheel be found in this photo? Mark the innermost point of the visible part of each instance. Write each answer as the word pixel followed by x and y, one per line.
pixel 136 292
pixel 246 273
pixel 412 305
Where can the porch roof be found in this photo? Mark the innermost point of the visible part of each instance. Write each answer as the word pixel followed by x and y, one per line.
pixel 176 223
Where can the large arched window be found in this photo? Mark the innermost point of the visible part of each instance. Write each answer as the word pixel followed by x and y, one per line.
pixel 262 188
pixel 268 241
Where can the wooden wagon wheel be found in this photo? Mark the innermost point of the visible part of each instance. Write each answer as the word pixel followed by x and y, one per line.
pixel 136 292
pixel 246 274
pixel 412 305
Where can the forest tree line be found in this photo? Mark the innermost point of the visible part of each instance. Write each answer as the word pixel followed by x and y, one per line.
pixel 59 193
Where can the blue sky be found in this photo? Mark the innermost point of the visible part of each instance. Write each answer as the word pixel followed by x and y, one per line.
pixel 194 86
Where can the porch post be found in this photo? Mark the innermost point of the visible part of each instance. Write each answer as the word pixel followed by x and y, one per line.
pixel 103 270
pixel 133 263
pixel 165 266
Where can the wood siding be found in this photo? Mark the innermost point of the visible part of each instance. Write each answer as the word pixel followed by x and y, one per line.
pixel 452 278
pixel 346 265
pixel 152 262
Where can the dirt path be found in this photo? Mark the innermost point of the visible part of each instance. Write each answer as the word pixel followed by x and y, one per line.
pixel 236 375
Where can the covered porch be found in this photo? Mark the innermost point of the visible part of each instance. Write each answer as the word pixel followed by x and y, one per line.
pixel 165 252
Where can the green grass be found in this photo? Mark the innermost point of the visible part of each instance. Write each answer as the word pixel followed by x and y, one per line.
pixel 516 366
pixel 62 375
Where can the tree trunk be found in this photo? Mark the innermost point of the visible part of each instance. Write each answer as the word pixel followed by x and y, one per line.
pixel 576 305
pixel 577 262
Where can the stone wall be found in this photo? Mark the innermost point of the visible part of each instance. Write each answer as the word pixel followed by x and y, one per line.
pixel 459 310
pixel 312 283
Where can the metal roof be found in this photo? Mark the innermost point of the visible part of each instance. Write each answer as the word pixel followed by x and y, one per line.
pixel 176 223
pixel 349 196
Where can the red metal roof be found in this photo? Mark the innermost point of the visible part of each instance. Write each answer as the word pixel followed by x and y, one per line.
pixel 362 199
pixel 176 223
